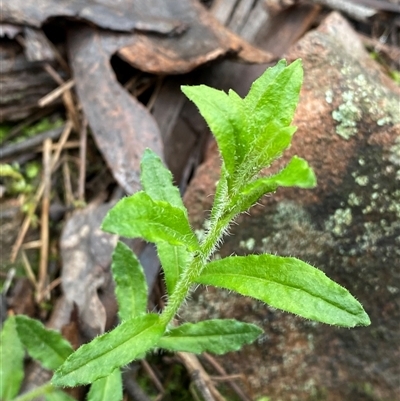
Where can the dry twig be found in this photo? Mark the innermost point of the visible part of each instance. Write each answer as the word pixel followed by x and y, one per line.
pixel 82 157
pixel 44 229
pixel 222 372
pixel 68 98
pixel 56 93
pixel 68 193
pixel 201 386
pixel 152 375
pixel 192 364
pixel 133 389
pixel 28 269
pixel 27 221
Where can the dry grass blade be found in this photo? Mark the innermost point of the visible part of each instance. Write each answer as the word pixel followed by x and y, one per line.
pixel 28 269
pixel 82 158
pixel 44 229
pixel 68 193
pixel 56 93
pixel 68 98
pixel 27 221
pixel 32 245
pixel 46 291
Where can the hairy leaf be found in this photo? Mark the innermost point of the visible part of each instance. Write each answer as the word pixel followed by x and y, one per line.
pixel 58 395
pixel 47 346
pixel 174 259
pixel 114 349
pixel 288 284
pixel 218 336
pixel 269 145
pixel 11 360
pixel 244 134
pixel 221 198
pixel 141 216
pixel 251 132
pixel 131 287
pixel 108 388
pixel 260 85
pixel 157 181
pixel 216 108
pixel 297 173
pixel 279 100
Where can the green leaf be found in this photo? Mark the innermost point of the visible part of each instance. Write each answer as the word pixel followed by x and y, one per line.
pixel 270 144
pixel 221 197
pixel 297 173
pixel 244 135
pixel 108 388
pixel 218 336
pixel 11 360
pixel 157 181
pixel 279 100
pixel 58 395
pixel 260 85
pixel 249 195
pixel 254 131
pixel 47 346
pixel 155 221
pixel 219 112
pixel 288 284
pixel 129 341
pixel 131 289
pixel 174 260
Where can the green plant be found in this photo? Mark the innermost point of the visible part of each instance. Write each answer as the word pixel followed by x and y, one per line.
pixel 251 133
pixel 46 346
pixel 16 182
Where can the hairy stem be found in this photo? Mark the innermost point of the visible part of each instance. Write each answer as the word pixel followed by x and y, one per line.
pixel 207 248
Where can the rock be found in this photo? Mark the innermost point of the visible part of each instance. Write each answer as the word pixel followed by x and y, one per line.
pixel 349 226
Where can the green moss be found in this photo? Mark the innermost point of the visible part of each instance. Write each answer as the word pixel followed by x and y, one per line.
pixel 45 124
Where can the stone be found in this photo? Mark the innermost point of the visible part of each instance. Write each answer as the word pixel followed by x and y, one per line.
pixel 348 123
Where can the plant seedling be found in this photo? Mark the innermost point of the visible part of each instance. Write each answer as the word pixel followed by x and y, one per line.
pixel 251 133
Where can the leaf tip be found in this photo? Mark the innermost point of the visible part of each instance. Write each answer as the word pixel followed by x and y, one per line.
pixel 364 319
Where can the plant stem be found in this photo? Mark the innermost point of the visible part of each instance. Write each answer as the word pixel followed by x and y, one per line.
pixel 194 270
pixel 36 392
